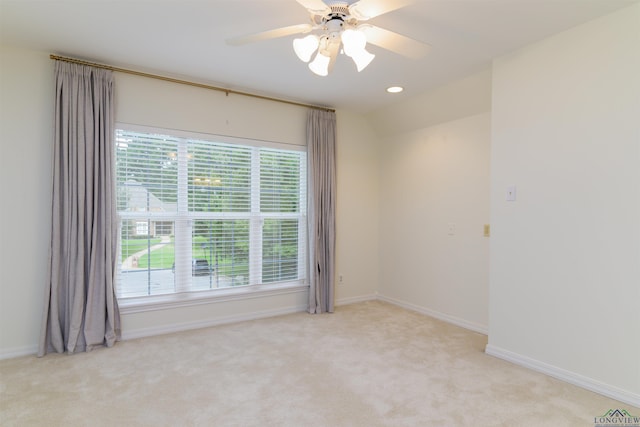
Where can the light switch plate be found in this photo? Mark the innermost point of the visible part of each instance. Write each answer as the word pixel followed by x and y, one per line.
pixel 511 193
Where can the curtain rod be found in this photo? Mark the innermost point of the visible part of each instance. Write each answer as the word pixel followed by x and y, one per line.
pixel 185 82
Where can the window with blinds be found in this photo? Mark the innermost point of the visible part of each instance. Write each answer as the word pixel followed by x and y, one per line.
pixel 199 212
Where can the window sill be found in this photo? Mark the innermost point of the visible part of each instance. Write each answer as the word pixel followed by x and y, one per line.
pixel 186 299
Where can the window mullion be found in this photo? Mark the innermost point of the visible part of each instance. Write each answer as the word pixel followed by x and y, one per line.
pixel 302 221
pixel 184 224
pixel 255 227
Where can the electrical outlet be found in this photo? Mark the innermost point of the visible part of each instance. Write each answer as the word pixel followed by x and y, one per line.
pixel 340 278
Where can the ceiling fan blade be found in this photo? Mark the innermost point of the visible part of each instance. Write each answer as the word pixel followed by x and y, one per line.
pixel 317 7
pixel 395 42
pixel 367 9
pixel 271 34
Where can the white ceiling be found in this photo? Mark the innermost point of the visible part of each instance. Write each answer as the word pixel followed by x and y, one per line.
pixel 186 39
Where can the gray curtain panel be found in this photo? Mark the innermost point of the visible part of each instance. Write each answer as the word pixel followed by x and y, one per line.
pixel 321 209
pixel 81 310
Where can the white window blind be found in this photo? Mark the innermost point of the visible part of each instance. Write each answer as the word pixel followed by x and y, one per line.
pixel 203 213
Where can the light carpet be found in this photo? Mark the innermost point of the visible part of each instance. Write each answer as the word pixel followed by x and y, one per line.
pixel 367 364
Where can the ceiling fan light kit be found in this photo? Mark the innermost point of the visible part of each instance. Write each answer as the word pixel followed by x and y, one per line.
pixel 353 42
pixel 320 65
pixel 336 26
pixel 304 47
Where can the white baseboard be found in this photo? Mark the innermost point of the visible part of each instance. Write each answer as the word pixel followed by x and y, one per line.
pixel 141 333
pixel 10 353
pixel 187 326
pixel 564 375
pixel 167 329
pixel 355 300
pixel 179 327
pixel 483 329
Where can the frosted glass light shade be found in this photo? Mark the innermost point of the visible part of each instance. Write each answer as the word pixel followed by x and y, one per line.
pixel 353 41
pixel 304 47
pixel 362 59
pixel 320 65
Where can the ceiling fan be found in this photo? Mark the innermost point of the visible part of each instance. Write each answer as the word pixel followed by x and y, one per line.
pixel 336 23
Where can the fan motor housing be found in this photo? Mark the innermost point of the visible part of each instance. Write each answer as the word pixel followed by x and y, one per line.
pixel 339 7
pixel 338 17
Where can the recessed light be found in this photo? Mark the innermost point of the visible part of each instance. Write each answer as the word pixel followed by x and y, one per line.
pixel 395 89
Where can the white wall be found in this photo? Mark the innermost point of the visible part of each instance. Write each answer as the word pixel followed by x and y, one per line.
pixel 565 256
pixel 434 171
pixel 26 120
pixel 357 209
pixel 26 100
pixel 430 179
pixel 152 102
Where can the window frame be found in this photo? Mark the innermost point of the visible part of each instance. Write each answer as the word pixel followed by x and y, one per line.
pixel 183 296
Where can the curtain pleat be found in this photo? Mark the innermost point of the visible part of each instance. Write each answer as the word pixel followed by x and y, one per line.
pixel 321 155
pixel 81 310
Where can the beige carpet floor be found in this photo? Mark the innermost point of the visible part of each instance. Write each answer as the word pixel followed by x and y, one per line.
pixel 368 364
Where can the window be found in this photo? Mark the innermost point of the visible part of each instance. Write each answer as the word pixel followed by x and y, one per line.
pixel 142 228
pixel 200 212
